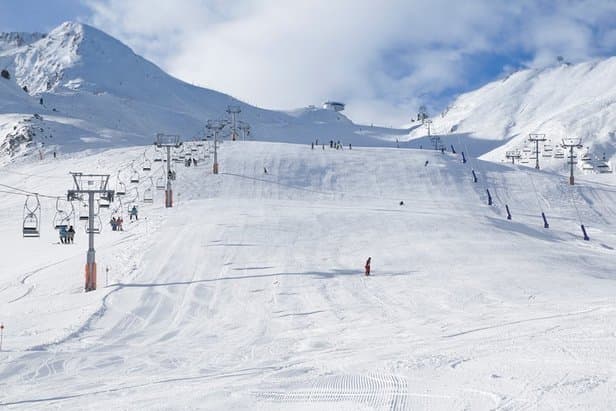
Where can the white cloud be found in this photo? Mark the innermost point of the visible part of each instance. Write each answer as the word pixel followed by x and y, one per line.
pixel 382 58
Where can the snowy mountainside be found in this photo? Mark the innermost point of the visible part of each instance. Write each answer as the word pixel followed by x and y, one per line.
pixel 107 96
pixel 14 40
pixel 564 101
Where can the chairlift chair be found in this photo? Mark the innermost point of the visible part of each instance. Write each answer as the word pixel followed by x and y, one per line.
pixel 84 212
pixel 160 183
pixel 65 213
pixel 147 165
pixel 97 226
pixel 134 178
pixel 32 217
pixel 31 226
pixel 603 167
pixel 120 188
pixel 148 196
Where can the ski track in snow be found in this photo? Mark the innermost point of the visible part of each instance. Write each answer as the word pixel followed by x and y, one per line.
pixel 250 293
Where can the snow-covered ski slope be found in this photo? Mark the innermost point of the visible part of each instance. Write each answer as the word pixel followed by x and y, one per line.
pixel 250 293
pixel 564 101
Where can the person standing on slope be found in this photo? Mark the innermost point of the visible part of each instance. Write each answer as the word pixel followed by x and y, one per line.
pixel 367 266
pixel 133 213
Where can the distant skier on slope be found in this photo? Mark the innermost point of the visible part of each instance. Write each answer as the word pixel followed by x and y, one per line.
pixel 134 213
pixel 367 266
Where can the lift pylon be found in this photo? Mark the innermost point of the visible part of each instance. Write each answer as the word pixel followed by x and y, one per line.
pixel 168 142
pixel 90 184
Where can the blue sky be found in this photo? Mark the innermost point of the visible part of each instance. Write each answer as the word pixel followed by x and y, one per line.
pixel 39 15
pixel 383 58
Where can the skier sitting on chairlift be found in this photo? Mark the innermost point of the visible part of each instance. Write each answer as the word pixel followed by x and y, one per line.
pixel 63 235
pixel 71 234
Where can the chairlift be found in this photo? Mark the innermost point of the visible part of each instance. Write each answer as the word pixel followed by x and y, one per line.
pixel 118 208
pixel 65 214
pixel 148 193
pixel 104 202
pixel 84 212
pixel 603 167
pixel 134 178
pixel 32 217
pixel 148 196
pixel 586 166
pixel 120 188
pixel 160 183
pixel 147 165
pixel 97 226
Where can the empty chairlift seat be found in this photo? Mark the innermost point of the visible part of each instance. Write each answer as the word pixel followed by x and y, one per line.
pixel 148 196
pixel 120 188
pixel 31 226
pixel 32 217
pixel 147 165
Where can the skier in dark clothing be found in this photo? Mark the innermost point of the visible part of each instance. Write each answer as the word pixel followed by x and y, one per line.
pixel 63 235
pixel 367 266
pixel 71 234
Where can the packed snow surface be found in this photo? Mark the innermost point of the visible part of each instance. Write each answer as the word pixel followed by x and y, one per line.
pixel 249 293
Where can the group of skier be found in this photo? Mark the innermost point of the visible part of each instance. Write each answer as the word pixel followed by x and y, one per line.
pixel 67 235
pixel 116 223
pixel 332 144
